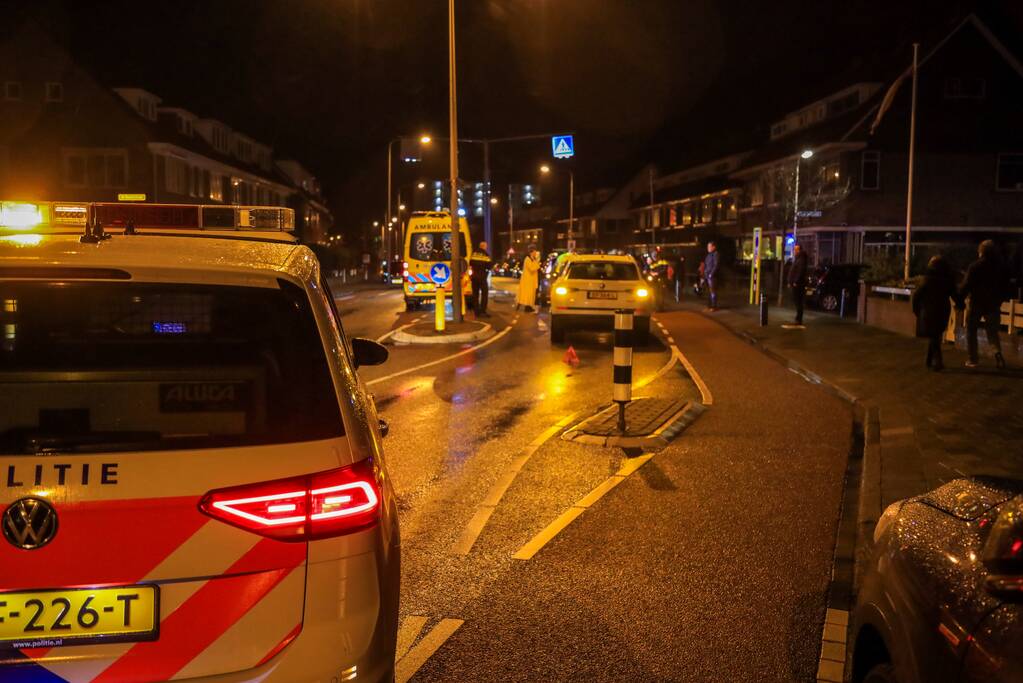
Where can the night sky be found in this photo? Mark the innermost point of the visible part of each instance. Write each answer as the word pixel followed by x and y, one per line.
pixel 331 81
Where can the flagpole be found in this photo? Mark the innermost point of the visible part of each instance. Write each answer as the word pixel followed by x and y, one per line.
pixel 909 188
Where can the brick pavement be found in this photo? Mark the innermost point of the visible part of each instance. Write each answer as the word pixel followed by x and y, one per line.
pixel 934 427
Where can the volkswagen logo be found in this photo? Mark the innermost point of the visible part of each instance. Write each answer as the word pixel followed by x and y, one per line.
pixel 29 523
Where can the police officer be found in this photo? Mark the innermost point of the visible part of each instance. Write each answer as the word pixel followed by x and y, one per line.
pixel 480 263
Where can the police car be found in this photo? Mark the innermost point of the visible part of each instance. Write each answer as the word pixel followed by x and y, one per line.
pixel 191 477
pixel 590 288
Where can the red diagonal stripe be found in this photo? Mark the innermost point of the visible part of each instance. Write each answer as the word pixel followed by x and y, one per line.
pixel 103 542
pixel 205 616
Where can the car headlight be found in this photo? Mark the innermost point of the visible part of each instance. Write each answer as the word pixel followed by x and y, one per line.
pixel 642 293
pixel 561 291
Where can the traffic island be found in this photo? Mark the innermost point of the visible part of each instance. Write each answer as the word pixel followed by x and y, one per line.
pixel 454 333
pixel 650 424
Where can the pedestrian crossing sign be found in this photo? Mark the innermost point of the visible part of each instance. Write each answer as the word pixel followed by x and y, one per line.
pixel 563 146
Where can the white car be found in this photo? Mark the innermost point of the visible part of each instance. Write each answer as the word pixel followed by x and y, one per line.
pixel 590 290
pixel 191 477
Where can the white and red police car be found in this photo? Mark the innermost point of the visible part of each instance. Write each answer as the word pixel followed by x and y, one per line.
pixel 191 478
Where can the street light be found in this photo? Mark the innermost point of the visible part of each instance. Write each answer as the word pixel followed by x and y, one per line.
pixel 805 154
pixel 425 139
pixel 401 207
pixel 493 201
pixel 421 186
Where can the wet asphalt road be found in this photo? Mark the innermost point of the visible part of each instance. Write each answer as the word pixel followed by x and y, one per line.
pixel 710 563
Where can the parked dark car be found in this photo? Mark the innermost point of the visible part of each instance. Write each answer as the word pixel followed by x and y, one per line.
pixel 942 599
pixel 824 285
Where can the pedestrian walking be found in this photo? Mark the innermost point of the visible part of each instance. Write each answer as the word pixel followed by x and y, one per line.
pixel 986 284
pixel 479 264
pixel 679 276
pixel 932 306
pixel 797 281
pixel 529 281
pixel 710 271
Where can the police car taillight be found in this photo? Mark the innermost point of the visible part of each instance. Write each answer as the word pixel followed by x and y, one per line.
pixel 321 505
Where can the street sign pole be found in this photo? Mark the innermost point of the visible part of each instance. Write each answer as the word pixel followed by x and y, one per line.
pixel 456 241
pixel 487 230
pixel 571 206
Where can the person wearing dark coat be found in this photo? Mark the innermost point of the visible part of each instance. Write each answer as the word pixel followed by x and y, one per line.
pixel 797 280
pixel 679 276
pixel 985 284
pixel 932 306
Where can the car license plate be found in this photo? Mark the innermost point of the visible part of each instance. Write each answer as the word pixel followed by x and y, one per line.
pixel 76 616
pixel 601 295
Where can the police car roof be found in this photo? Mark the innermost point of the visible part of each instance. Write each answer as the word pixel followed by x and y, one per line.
pixel 616 258
pixel 226 260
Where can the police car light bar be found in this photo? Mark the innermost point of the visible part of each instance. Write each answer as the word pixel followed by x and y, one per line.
pixel 53 216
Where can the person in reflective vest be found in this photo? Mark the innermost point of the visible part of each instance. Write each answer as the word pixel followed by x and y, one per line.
pixel 480 264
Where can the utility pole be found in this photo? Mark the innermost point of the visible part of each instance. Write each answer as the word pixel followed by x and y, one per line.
pixel 487 229
pixel 456 233
pixel 909 189
pixel 385 245
pixel 571 203
pixel 653 229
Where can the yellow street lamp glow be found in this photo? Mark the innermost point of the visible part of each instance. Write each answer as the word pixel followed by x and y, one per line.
pixel 421 185
pixel 394 219
pixel 545 169
pixel 401 207
pixel 425 139
pixel 561 291
pixel 376 223
pixel 642 293
pixel 20 215
pixel 493 200
pixel 807 153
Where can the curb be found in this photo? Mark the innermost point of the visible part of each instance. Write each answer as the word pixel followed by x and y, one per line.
pixel 836 651
pixel 403 337
pixel 655 441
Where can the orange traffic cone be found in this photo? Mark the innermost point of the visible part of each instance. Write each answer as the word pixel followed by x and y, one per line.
pixel 571 357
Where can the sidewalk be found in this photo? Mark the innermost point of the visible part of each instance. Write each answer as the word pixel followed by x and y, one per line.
pixel 934 427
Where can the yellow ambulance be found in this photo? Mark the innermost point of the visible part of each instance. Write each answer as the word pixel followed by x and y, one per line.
pixel 428 256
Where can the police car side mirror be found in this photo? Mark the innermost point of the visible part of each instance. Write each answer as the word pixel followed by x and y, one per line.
pixel 368 352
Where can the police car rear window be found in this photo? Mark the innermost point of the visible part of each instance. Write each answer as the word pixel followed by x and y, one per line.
pixel 602 270
pixel 105 366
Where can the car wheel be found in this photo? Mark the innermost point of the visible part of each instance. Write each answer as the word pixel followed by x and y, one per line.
pixel 411 304
pixel 557 330
pixel 881 673
pixel 829 302
pixel 641 329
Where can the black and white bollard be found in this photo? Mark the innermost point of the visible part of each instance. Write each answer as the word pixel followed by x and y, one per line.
pixel 763 309
pixel 623 363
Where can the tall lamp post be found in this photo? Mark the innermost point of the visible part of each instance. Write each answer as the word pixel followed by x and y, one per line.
pixel 545 169
pixel 456 241
pixel 423 140
pixel 805 154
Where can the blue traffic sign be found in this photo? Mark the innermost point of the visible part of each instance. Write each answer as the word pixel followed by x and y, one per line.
pixel 440 273
pixel 563 146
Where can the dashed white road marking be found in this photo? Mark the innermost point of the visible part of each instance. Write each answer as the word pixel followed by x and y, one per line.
pixel 534 546
pixel 413 661
pixel 671 340
pixel 479 520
